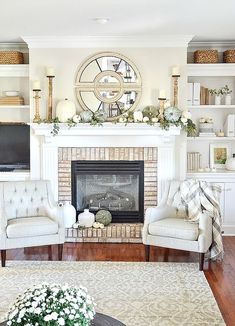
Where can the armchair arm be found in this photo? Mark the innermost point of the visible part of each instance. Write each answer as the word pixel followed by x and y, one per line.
pixel 205 232
pixel 3 225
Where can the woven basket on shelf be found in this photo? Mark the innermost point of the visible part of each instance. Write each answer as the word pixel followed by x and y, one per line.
pixel 11 57
pixel 206 56
pixel 229 56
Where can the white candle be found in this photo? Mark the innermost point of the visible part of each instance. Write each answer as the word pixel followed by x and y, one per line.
pixel 36 84
pixel 176 71
pixel 162 93
pixel 50 71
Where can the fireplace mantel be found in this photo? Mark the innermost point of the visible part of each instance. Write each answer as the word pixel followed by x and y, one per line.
pixel 107 129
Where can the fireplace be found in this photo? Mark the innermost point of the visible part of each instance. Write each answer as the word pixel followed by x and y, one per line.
pixel 117 186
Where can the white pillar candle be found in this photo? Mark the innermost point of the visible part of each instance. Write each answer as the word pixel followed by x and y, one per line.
pixel 36 84
pixel 162 93
pixel 176 71
pixel 50 71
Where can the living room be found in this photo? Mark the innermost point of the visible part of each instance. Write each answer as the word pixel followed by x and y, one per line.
pixel 117 164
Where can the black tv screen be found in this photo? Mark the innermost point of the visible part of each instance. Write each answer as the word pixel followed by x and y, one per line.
pixel 14 146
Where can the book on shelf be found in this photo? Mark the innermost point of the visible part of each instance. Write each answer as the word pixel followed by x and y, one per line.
pixel 229 125
pixel 193 161
pixel 190 94
pixel 196 93
pixel 204 96
pixel 206 134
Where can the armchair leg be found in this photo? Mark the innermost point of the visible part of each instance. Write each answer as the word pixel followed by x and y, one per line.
pixel 3 257
pixel 201 261
pixel 60 250
pixel 49 252
pixel 147 252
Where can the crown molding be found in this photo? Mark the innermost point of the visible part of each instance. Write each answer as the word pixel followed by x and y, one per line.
pixel 219 45
pixel 125 41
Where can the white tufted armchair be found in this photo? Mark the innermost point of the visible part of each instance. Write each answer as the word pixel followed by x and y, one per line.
pixel 29 217
pixel 164 227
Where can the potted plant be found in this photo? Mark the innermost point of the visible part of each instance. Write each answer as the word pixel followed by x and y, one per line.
pixel 218 95
pixel 52 304
pixel 227 92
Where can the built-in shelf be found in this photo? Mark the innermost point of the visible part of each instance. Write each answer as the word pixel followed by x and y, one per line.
pixel 213 69
pixel 14 70
pixel 14 107
pixel 210 138
pixel 190 107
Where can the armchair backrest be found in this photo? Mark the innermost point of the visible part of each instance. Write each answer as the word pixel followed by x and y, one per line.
pixel 171 187
pixel 24 198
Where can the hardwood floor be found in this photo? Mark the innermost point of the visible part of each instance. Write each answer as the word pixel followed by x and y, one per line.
pixel 221 276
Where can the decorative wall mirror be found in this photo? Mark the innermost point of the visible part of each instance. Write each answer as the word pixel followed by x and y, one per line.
pixel 108 82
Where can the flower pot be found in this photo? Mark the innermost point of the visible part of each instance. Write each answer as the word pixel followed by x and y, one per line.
pixel 217 99
pixel 228 99
pixel 69 214
pixel 86 218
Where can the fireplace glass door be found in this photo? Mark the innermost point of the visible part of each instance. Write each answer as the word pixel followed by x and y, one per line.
pixel 114 186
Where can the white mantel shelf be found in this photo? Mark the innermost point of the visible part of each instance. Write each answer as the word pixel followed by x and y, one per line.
pixel 107 129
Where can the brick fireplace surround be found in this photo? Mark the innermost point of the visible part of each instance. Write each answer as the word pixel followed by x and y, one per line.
pixel 116 232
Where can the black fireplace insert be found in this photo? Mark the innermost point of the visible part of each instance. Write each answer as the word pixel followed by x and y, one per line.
pixel 117 186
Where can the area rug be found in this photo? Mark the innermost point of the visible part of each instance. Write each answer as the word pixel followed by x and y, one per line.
pixel 138 294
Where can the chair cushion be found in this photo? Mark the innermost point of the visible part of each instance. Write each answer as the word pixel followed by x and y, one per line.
pixel 175 228
pixel 31 227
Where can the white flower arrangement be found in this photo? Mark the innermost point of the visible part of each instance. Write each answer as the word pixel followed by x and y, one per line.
pixel 52 305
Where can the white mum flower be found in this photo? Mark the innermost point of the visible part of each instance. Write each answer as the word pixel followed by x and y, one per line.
pixel 145 119
pixel 54 315
pixel 37 311
pixel 61 321
pixel 47 318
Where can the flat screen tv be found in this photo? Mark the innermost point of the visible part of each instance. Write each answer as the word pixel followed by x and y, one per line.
pixel 14 147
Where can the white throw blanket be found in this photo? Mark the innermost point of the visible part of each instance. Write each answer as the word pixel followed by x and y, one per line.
pixel 196 197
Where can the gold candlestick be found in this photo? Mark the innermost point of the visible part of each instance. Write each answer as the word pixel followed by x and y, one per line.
pixel 161 107
pixel 37 97
pixel 175 89
pixel 49 103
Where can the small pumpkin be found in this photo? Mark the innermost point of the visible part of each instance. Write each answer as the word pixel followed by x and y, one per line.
pixel 103 216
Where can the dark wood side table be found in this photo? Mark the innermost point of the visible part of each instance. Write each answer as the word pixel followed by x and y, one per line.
pixel 99 320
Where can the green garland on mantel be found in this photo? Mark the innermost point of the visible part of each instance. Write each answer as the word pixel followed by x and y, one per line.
pixel 150 115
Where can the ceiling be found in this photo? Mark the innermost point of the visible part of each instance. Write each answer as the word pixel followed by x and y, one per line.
pixel 212 20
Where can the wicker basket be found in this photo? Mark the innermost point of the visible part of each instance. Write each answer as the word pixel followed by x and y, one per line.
pixel 11 57
pixel 206 56
pixel 229 56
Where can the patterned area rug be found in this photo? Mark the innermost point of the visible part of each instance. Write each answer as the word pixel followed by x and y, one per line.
pixel 138 294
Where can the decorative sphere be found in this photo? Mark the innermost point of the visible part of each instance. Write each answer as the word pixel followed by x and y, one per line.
pixel 86 116
pixel 172 114
pixel 104 217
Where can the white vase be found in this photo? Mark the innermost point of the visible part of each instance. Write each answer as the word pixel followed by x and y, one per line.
pixel 230 163
pixel 86 218
pixel 217 99
pixel 69 213
pixel 65 110
pixel 228 99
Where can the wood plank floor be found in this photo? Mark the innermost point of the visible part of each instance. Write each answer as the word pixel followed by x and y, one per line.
pixel 221 276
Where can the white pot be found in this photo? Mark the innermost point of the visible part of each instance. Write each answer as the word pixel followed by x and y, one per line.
pixel 69 213
pixel 86 218
pixel 65 110
pixel 228 99
pixel 217 99
pixel 230 163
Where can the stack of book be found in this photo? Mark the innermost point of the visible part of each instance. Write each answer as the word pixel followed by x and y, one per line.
pixel 11 100
pixel 193 161
pixel 206 130
pixel 198 95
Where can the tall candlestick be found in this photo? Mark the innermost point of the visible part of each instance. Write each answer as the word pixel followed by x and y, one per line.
pixel 36 97
pixel 175 90
pixel 49 103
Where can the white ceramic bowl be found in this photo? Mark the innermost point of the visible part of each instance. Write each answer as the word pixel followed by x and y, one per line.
pixel 12 93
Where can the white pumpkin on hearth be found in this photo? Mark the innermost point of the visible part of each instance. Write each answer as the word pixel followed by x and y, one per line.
pixel 65 110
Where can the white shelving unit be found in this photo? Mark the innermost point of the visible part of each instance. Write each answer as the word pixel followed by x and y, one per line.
pixel 215 76
pixel 15 77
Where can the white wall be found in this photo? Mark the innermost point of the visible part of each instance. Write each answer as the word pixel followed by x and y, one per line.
pixel 154 65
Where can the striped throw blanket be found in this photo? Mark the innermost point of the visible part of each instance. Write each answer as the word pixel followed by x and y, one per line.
pixel 199 196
